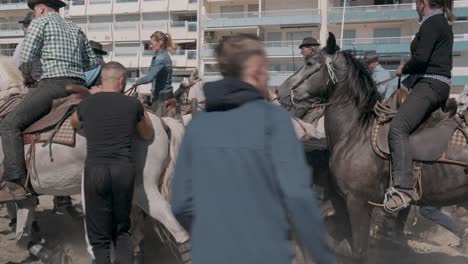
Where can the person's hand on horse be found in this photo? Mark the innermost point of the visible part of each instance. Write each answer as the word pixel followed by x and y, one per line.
pixel 134 85
pixel 399 71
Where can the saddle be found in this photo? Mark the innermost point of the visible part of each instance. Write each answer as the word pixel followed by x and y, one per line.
pixel 441 138
pixel 55 127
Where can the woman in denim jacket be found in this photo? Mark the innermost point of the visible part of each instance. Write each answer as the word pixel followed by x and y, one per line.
pixel 160 72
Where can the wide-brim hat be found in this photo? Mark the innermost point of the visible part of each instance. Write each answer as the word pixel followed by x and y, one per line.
pixel 56 4
pixel 370 57
pixel 309 42
pixel 97 48
pixel 28 18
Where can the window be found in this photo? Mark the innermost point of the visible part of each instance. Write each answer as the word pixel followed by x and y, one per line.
pixel 387 35
pixel 252 10
pixel 298 35
pixel 349 34
pixel 232 11
pixel 273 39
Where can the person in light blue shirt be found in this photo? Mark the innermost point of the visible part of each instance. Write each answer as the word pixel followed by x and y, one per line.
pixel 379 74
pixel 93 76
pixel 160 71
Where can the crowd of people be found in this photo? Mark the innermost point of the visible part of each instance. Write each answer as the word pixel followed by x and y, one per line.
pixel 241 173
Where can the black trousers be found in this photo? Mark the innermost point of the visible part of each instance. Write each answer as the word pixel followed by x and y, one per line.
pixel 108 192
pixel 36 104
pixel 427 96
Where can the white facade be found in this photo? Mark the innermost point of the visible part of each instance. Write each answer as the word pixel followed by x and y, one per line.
pixel 386 26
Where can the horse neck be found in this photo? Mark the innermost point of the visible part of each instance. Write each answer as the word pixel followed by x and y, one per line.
pixel 342 124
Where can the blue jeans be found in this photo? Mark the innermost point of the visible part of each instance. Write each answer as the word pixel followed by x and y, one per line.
pixel 435 215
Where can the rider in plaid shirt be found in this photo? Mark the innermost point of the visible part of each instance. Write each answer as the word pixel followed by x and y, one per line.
pixel 65 55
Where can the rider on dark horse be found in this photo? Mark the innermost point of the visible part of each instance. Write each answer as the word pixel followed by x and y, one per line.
pixel 430 69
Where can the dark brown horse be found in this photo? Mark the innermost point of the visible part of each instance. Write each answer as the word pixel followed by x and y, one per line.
pixel 360 176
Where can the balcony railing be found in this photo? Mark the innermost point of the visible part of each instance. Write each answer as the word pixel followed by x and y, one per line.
pixel 270 13
pixel 268 44
pixel 178 24
pixel 152 25
pixel 386 40
pixel 12 2
pixel 100 2
pixel 77 2
pixel 11 26
pixel 7 52
pixel 192 55
pixel 99 27
pixel 372 8
pixel 282 44
pixel 125 1
pixel 126 26
pixel 192 26
pixel 125 53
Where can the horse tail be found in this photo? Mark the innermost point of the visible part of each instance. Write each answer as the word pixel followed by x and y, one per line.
pixel 331 47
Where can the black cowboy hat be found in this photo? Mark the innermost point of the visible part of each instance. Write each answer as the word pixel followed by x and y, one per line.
pixel 309 42
pixel 97 48
pixel 27 19
pixel 370 57
pixel 56 4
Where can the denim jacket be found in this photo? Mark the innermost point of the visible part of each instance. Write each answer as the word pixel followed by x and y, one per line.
pixel 160 74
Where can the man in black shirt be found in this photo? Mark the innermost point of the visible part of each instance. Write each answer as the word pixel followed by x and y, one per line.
pixel 110 121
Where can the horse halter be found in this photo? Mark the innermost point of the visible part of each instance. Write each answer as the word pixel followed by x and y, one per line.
pixel 331 77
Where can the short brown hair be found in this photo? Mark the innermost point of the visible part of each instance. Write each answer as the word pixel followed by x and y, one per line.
pixel 233 51
pixel 166 40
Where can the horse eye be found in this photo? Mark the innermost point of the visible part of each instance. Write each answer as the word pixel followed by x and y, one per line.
pixel 309 63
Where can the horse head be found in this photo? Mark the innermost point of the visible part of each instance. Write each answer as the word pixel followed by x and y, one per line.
pixel 333 76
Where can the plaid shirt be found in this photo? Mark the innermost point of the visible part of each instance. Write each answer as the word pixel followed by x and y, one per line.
pixel 434 12
pixel 61 46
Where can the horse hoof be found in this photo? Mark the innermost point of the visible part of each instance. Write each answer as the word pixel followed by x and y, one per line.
pixel 343 249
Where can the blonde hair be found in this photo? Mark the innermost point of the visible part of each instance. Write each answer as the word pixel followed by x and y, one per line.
pixel 166 40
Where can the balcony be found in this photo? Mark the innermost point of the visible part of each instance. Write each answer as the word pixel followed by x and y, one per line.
pixel 127 57
pixel 77 8
pixel 396 44
pixel 7 52
pixel 126 6
pixel 373 13
pixel 180 58
pixel 284 48
pixel 276 78
pixel 147 28
pixel 183 30
pixel 393 12
pixel 263 18
pixel 183 5
pixel 11 30
pixel 145 58
pixel 380 45
pixel 99 32
pixel 126 31
pixel 148 6
pixel 99 7
pixel 13 5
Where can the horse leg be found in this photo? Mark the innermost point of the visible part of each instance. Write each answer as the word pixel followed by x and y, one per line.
pixel 360 218
pixel 155 205
pixel 24 224
pixel 137 231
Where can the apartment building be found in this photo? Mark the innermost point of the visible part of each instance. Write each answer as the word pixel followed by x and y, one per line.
pixel 386 26
pixel 123 27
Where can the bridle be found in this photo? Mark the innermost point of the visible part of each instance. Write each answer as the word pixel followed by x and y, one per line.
pixel 331 79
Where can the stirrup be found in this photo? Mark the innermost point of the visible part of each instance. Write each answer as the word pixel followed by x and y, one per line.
pixel 389 195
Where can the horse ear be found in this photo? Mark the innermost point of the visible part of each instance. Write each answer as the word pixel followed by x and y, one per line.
pixel 331 47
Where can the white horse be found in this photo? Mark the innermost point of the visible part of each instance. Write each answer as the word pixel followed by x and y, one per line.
pixel 63 175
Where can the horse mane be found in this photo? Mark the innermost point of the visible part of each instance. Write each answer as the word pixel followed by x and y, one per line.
pixel 360 88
